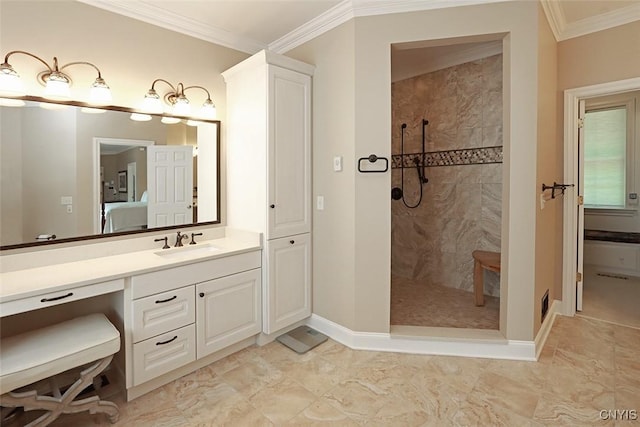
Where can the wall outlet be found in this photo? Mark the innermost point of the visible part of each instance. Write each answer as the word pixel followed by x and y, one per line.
pixel 545 305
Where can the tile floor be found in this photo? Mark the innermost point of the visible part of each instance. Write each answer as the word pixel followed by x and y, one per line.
pixel 611 297
pixel 424 304
pixel 586 366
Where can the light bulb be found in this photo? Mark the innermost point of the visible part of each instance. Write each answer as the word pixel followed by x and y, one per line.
pixel 152 103
pixel 181 106
pixel 193 122
pixel 57 86
pixel 208 110
pixel 137 117
pixel 170 120
pixel 100 93
pixel 10 82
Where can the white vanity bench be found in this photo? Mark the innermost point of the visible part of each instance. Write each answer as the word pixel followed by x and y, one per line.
pixel 177 309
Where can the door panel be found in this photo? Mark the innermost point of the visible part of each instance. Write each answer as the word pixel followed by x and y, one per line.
pixel 169 185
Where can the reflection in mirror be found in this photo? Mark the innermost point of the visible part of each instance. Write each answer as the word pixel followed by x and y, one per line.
pixel 71 174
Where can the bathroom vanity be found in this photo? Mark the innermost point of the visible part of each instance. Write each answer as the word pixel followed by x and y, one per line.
pixel 177 309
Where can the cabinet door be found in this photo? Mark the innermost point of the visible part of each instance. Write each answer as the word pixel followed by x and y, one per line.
pixel 289 153
pixel 227 310
pixel 288 288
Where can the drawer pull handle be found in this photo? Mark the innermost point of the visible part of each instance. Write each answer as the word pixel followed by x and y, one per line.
pixel 160 301
pixel 56 298
pixel 201 294
pixel 292 241
pixel 168 341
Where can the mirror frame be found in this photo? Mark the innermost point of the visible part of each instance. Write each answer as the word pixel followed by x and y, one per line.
pixel 120 233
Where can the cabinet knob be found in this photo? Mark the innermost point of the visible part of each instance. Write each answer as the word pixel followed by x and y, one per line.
pixel 201 294
pixel 292 241
pixel 272 206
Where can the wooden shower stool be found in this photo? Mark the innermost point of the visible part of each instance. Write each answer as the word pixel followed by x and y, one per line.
pixel 487 261
pixel 28 358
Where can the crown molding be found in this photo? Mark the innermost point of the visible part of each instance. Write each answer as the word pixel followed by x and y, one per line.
pixel 555 17
pixel 562 30
pixel 348 9
pixel 162 18
pixel 337 15
pixel 602 22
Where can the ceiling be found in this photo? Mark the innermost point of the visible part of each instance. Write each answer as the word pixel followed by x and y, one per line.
pixel 281 25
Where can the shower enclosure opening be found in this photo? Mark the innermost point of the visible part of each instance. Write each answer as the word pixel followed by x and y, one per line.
pixel 446 183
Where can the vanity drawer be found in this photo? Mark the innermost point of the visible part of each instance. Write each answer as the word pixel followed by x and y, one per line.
pixel 163 312
pixel 60 297
pixel 147 284
pixel 164 353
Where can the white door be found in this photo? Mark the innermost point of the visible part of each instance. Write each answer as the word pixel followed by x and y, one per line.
pixel 580 192
pixel 132 192
pixel 288 288
pixel 289 153
pixel 169 185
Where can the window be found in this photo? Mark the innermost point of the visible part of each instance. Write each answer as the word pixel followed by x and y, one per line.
pixel 605 158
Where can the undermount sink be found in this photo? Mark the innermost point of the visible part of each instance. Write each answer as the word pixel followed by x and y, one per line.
pixel 188 251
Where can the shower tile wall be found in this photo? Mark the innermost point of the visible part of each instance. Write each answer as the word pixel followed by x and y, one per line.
pixel 461 205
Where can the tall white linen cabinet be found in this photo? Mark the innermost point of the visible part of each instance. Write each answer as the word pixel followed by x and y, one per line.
pixel 268 150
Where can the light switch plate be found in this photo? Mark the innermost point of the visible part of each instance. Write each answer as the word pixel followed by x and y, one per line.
pixel 320 203
pixel 337 163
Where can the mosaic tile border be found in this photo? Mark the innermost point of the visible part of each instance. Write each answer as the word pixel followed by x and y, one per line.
pixel 465 156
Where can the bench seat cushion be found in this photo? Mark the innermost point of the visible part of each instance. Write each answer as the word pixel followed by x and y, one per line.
pixel 35 355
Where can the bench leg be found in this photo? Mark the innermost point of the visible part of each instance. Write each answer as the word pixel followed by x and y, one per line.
pixel 65 404
pixel 478 283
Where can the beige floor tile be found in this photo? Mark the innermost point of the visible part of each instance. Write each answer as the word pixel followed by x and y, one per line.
pixel 321 413
pixel 585 367
pixel 251 376
pixel 281 401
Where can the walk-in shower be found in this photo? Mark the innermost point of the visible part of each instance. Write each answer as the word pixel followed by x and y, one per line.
pixel 436 227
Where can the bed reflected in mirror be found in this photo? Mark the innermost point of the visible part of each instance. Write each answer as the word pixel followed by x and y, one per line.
pixel 73 174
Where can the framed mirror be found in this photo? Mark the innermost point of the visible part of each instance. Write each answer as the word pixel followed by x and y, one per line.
pixel 70 172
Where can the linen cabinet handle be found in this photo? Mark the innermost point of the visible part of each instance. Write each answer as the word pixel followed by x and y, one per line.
pixel 292 241
pixel 160 301
pixel 201 294
pixel 272 206
pixel 168 341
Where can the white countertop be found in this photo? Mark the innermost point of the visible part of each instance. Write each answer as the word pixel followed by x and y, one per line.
pixel 29 282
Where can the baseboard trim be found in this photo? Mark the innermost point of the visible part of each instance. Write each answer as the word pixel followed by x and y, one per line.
pixel 543 333
pixel 447 346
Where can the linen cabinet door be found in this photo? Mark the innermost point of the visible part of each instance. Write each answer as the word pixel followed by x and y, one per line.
pixel 288 287
pixel 289 153
pixel 228 310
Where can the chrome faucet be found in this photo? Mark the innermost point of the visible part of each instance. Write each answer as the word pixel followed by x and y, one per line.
pixel 179 239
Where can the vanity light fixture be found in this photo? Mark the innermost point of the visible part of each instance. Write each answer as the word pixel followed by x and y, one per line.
pixel 177 100
pixel 56 82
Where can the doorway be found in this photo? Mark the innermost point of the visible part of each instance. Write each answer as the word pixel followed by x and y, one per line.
pixel 446 190
pixel 609 271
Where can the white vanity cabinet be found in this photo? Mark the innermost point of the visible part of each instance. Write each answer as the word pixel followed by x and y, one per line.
pixel 182 314
pixel 269 176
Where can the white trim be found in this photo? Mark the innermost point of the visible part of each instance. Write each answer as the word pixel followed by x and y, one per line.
pixel 171 21
pixel 569 248
pixel 348 9
pixel 466 347
pixel 543 333
pixel 563 30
